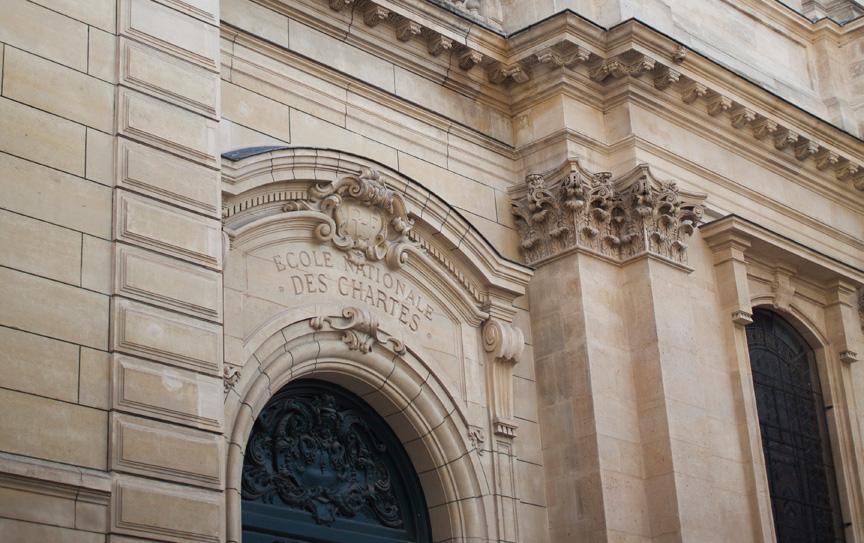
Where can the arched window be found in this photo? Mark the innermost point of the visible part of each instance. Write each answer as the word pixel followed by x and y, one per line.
pixel 794 431
pixel 321 466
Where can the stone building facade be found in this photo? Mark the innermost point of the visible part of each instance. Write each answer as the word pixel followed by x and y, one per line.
pixel 431 270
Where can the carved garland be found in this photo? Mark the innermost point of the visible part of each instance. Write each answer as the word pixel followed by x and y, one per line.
pixel 620 218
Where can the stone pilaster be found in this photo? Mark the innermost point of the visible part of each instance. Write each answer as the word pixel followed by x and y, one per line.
pixel 611 324
pixel 166 444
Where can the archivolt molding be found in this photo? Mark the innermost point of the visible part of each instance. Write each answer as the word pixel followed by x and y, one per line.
pixel 400 386
pixel 620 219
pixel 268 182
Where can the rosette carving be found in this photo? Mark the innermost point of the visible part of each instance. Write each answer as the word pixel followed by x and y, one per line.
pixel 360 330
pixel 367 219
pixel 617 218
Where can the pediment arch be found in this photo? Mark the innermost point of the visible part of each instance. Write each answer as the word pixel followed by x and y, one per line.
pixel 342 270
pixel 259 181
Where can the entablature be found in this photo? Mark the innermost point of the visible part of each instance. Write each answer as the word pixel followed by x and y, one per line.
pixel 509 73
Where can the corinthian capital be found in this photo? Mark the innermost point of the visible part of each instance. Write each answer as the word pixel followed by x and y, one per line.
pixel 621 218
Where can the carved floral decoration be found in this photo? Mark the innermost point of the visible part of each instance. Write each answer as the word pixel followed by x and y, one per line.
pixel 367 219
pixel 618 218
pixel 312 454
pixel 360 330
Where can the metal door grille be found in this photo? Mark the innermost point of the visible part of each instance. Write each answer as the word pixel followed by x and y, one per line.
pixel 794 433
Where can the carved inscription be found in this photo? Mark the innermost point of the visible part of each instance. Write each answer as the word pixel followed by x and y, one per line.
pixel 321 272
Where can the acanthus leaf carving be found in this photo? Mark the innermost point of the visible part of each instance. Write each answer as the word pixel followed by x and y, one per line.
pixel 359 329
pixel 692 91
pixel 438 44
pixel 230 377
pixel 716 104
pixel 619 219
pixel 666 77
pixel 477 437
pixel 407 29
pixel 367 219
pixel 741 116
pixel 498 73
pixel 762 128
pixel 630 63
pixel 375 15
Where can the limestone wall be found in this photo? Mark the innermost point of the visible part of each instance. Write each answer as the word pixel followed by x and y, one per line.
pixel 144 322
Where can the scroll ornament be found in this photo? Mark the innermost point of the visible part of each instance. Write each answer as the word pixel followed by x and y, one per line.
pixel 365 218
pixel 360 330
pixel 504 342
pixel 618 218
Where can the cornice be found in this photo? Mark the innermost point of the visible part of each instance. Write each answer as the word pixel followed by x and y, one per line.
pixel 487 67
pixel 711 206
pixel 809 263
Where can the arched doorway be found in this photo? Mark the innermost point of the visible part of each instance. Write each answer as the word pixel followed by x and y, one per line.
pixel 795 440
pixel 322 467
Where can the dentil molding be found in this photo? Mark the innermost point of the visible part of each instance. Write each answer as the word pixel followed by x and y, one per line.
pixel 541 49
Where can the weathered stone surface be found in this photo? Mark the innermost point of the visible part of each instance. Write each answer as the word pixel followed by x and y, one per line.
pixel 53 309
pixel 170 337
pixel 166 393
pixel 53 430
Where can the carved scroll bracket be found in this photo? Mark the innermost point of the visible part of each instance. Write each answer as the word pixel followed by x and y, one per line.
pixel 367 219
pixel 504 343
pixel 843 320
pixel 360 330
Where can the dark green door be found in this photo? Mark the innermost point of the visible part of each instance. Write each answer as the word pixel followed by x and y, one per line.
pixel 321 466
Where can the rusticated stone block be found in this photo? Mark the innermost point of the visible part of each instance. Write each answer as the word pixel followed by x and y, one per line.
pixel 163 228
pixel 165 511
pixel 167 177
pixel 166 126
pixel 166 336
pixel 155 390
pixel 171 31
pixel 168 282
pixel 166 451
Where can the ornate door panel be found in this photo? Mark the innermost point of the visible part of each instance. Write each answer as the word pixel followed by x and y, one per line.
pixel 322 467
pixel 794 433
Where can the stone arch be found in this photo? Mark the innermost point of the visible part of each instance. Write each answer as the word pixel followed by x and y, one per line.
pixel 400 387
pixel 798 318
pixel 273 202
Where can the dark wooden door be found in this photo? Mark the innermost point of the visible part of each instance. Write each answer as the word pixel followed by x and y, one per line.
pixel 322 467
pixel 795 440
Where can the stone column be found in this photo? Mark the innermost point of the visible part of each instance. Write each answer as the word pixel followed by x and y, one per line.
pixel 610 341
pixel 166 444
